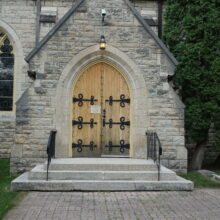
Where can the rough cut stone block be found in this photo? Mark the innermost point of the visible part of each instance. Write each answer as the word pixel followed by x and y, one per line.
pixel 36 101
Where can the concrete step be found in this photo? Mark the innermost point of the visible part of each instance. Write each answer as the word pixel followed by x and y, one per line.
pixel 103 164
pixel 100 174
pixel 22 183
pixel 39 173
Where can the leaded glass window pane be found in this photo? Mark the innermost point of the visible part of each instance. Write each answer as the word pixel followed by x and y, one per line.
pixel 6 73
pixel 6 104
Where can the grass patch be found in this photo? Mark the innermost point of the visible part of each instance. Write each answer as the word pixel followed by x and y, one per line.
pixel 199 180
pixel 8 199
pixel 211 166
pixel 217 171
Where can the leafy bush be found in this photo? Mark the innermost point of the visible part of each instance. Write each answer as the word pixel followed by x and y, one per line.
pixel 192 32
pixel 7 198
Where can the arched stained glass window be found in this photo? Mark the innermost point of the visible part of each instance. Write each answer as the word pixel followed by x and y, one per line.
pixel 6 73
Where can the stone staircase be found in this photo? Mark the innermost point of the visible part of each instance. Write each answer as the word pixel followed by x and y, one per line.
pixel 100 174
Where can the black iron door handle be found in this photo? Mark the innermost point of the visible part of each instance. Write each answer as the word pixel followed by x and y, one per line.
pixel 103 118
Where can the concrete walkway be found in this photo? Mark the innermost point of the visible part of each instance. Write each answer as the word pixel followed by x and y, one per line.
pixel 199 204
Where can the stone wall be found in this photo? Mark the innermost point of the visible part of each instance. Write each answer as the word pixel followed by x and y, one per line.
pixel 18 21
pixel 6 135
pixel 21 31
pixel 148 9
pixel 36 106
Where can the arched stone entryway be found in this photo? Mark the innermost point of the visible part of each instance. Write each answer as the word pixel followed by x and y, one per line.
pixel 138 91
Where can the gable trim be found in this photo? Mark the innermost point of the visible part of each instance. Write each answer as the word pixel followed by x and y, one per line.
pixel 53 30
pixel 151 32
pixel 76 6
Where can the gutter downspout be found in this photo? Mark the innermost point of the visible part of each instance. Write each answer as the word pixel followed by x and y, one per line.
pixel 160 18
pixel 37 35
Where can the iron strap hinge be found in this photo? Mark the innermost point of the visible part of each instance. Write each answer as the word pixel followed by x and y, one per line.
pixel 122 123
pixel 80 100
pixel 122 146
pixel 80 145
pixel 122 100
pixel 80 122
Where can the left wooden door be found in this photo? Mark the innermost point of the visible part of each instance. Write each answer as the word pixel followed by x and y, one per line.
pixel 87 114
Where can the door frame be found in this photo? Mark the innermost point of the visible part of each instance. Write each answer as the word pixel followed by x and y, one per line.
pixel 130 94
pixel 138 90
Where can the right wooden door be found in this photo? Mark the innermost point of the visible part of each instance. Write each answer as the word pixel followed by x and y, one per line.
pixel 115 113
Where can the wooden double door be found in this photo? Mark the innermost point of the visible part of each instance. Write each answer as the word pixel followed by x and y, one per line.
pixel 101 113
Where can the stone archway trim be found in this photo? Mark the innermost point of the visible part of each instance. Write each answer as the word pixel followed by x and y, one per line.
pixel 135 81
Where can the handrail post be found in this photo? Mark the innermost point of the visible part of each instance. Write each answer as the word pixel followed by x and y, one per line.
pixel 147 145
pixel 154 149
pixel 50 149
pixel 47 167
pixel 159 168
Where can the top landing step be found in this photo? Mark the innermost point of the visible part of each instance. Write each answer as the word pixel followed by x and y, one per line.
pixel 102 164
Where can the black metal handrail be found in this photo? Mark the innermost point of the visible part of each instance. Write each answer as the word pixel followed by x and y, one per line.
pixel 51 148
pixel 154 149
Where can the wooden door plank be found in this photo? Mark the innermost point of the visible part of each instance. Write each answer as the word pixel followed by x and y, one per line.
pixel 115 85
pixel 89 85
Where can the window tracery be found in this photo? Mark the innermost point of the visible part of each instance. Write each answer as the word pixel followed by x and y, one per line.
pixel 6 73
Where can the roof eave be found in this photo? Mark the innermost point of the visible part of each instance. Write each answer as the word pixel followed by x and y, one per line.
pixel 53 30
pixel 152 33
pixel 75 7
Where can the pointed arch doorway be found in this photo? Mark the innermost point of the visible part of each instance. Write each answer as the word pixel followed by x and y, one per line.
pixel 101 113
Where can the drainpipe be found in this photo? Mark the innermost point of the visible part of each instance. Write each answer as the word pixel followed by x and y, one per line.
pixel 38 4
pixel 160 17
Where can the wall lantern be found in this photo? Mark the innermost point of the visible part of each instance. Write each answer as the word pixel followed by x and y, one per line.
pixel 102 43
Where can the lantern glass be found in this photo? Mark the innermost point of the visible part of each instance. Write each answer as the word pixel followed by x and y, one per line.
pixel 102 43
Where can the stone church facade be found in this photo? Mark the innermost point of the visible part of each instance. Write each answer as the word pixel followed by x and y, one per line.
pixel 51 45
